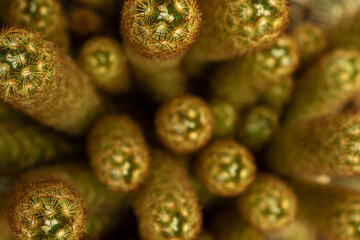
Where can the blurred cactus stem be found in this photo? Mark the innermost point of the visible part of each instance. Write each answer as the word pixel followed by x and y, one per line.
pixel 333 211
pixel 46 208
pixel 100 5
pixel 166 205
pixel 46 16
pixel 243 80
pixel 105 61
pixel 40 80
pixel 326 146
pixel 8 113
pixel 118 153
pixel 5 231
pixel 296 230
pixel 226 168
pixel 184 124
pixel 269 203
pixel 226 118
pixel 327 86
pixel 257 127
pixel 85 22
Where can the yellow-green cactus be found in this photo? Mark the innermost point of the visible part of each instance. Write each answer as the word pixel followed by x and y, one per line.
pixel 40 80
pixel 46 16
pixel 166 205
pixel 269 203
pixel 226 117
pixel 327 86
pixel 160 28
pixel 184 124
pixel 104 60
pixel 118 153
pixel 226 168
pixel 296 230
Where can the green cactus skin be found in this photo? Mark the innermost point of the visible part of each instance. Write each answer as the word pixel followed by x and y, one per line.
pixel 23 146
pixel 46 16
pixel 333 211
pixel 85 22
pixel 118 153
pixel 257 127
pixel 160 28
pixel 184 124
pixel 5 232
pixel 104 60
pixel 323 146
pixel 277 94
pixel 46 208
pixel 243 80
pixel 228 226
pixel 296 230
pixel 43 82
pixel 327 86
pixel 226 118
pixel 311 40
pixel 269 203
pixel 226 168
pixel 166 205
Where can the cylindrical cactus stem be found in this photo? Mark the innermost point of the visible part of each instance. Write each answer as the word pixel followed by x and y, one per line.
pixel 226 118
pixel 269 203
pixel 118 153
pixel 311 40
pixel 226 168
pixel 257 127
pixel 323 146
pixel 85 22
pixel 166 205
pixel 232 28
pixel 160 28
pixel 243 80
pixel 184 124
pixel 277 94
pixel 327 86
pixel 228 226
pixel 40 80
pixel 333 211
pixel 105 61
pixel 46 16
pixel 23 146
pixel 296 230
pixel 46 208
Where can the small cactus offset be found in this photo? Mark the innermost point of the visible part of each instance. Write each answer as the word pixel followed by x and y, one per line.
pixel 46 16
pixel 38 79
pixel 46 208
pixel 105 61
pixel 118 153
pixel 184 124
pixel 269 203
pixel 243 80
pixel 160 28
pixel 226 118
pixel 327 86
pixel 323 146
pixel 166 205
pixel 226 168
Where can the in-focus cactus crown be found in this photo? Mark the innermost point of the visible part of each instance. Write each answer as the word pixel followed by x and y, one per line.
pixel 160 28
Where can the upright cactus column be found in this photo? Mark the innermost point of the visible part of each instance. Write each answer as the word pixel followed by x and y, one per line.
pixel 46 16
pixel 324 146
pixel 41 81
pixel 166 205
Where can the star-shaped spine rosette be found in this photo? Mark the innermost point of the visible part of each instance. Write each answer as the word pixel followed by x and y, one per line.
pixel 160 28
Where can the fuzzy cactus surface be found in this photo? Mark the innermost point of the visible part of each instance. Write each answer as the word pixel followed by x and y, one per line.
pixel 226 117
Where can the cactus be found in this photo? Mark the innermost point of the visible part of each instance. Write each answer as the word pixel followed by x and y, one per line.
pixel 8 113
pixel 102 5
pixel 184 124
pixel 85 22
pixel 46 16
pixel 243 80
pixel 327 86
pixel 23 146
pixel 225 118
pixel 41 81
pixel 226 168
pixel 105 61
pixel 269 203
pixel 323 146
pixel 5 232
pixel 296 230
pixel 118 153
pixel 46 208
pixel 166 205
pixel 160 28
pixel 257 127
